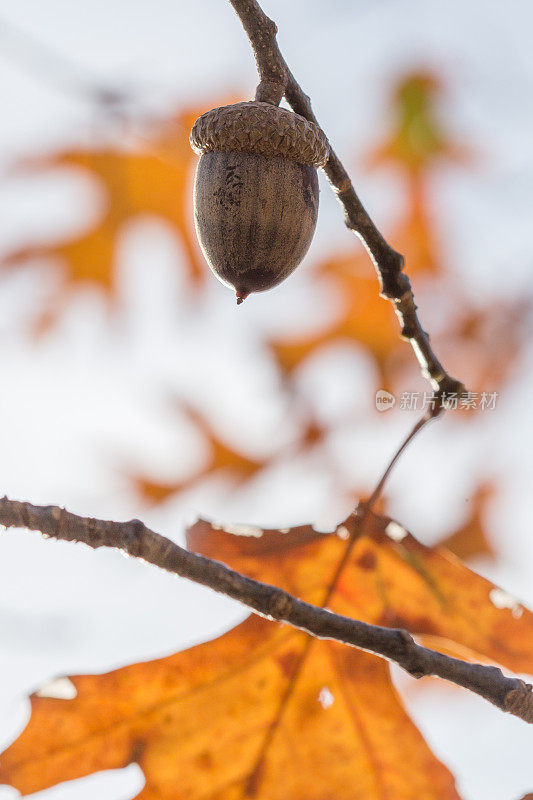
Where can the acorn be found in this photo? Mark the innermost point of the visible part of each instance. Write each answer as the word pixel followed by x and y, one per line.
pixel 256 192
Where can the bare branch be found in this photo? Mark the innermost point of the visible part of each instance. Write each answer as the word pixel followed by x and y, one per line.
pixel 277 80
pixel 135 539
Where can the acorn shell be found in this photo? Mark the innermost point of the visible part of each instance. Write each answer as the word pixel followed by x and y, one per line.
pixel 256 192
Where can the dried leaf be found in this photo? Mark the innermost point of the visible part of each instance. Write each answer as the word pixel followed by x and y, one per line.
pixel 364 317
pixel 417 141
pixel 151 178
pixel 265 711
pixel 223 458
pixel 486 343
pixel 415 144
pixel 415 237
pixel 470 540
pixel 390 579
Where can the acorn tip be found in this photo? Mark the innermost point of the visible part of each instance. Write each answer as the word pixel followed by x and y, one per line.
pixel 241 296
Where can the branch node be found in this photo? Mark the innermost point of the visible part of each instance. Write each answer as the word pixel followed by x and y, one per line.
pixel 280 605
pixel 519 702
pixel 269 91
pixel 135 531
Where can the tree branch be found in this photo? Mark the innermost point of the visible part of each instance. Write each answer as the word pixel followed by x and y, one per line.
pixel 276 81
pixel 135 539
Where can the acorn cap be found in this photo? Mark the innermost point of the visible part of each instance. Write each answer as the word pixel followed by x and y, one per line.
pixel 260 128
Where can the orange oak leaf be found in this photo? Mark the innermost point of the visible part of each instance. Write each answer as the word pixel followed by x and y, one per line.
pixel 265 711
pixel 415 237
pixel 223 458
pixel 364 318
pixel 153 176
pixel 390 578
pixel 470 539
pixel 418 140
pixel 485 343
pixel 414 146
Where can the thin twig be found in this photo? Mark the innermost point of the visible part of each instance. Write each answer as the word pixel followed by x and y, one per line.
pixel 276 81
pixel 135 539
pixel 429 415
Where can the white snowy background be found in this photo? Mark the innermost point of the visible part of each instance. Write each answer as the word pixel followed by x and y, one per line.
pixel 83 406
